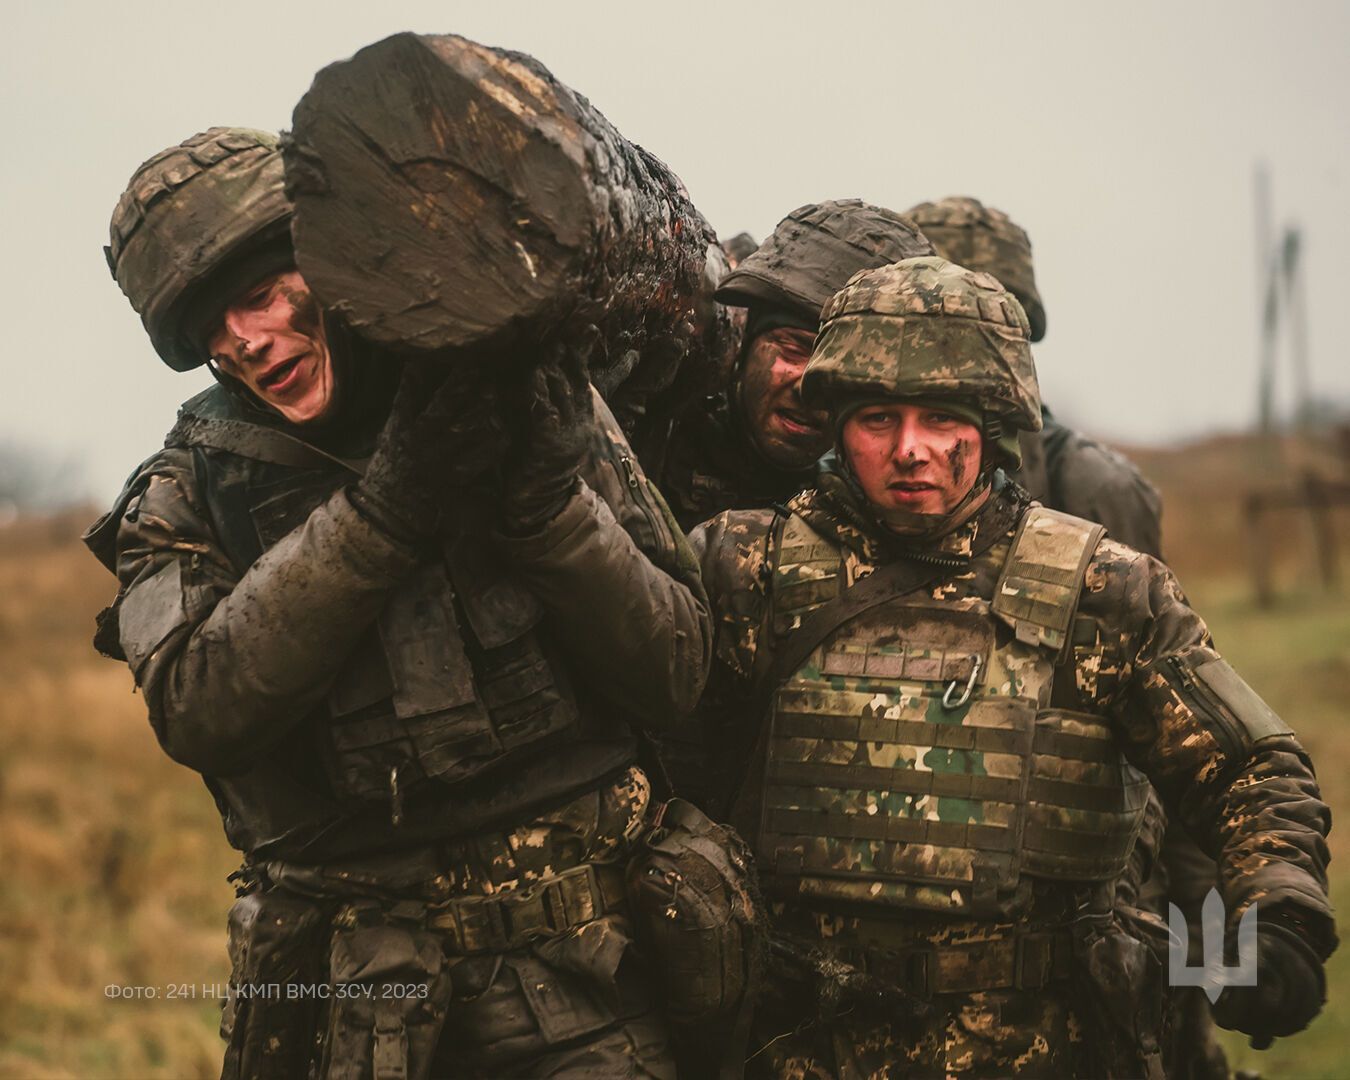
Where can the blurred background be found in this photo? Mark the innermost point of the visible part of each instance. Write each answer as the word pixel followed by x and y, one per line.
pixel 1182 170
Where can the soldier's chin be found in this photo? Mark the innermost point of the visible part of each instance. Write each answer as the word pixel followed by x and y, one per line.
pixel 794 452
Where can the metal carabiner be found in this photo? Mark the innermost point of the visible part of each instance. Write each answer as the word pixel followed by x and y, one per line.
pixel 947 703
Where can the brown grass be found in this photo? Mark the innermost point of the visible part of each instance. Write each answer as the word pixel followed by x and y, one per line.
pixel 113 858
pixel 113 863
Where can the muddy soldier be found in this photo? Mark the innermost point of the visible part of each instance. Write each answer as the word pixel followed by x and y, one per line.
pixel 1068 471
pixel 405 625
pixel 755 443
pixel 948 700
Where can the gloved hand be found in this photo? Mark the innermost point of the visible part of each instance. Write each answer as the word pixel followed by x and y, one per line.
pixel 444 433
pixel 1290 987
pixel 541 474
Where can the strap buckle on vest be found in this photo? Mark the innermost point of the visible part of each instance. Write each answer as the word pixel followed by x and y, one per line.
pixel 947 703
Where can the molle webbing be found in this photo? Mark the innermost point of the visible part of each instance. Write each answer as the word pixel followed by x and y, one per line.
pixel 1041 581
pixel 910 760
pixel 1085 803
pixel 818 810
pixel 810 601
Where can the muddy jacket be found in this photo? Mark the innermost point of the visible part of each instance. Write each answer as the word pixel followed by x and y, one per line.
pixel 711 465
pixel 1040 660
pixel 343 693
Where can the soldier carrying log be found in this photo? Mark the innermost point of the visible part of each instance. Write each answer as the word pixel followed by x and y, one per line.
pixel 396 586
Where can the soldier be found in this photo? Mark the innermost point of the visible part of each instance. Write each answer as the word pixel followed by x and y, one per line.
pixel 755 443
pixel 408 648
pixel 1061 468
pixel 1068 471
pixel 941 694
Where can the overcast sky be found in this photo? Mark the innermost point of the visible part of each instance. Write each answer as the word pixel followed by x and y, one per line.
pixel 1122 137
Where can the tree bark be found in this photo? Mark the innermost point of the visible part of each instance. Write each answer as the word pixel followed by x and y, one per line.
pixel 454 196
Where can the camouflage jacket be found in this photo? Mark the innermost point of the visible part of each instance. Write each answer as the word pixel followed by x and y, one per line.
pixel 711 465
pixel 250 596
pixel 1252 801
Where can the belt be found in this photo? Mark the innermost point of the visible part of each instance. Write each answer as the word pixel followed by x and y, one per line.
pixel 1024 960
pixel 551 905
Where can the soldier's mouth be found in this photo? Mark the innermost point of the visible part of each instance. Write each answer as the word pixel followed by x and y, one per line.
pixel 796 423
pixel 281 376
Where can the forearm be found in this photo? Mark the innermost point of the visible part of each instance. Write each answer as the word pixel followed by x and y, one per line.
pixel 637 631
pixel 1267 831
pixel 226 687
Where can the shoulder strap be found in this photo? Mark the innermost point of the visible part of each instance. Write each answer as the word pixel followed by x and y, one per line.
pixel 1042 579
pixel 893 580
pixel 252 441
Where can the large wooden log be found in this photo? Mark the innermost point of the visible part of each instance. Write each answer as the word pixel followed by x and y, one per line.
pixel 451 195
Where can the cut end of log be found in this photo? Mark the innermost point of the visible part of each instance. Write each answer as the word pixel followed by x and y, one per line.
pixel 441 192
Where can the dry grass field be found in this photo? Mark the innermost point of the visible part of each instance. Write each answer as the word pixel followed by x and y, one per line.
pixel 113 864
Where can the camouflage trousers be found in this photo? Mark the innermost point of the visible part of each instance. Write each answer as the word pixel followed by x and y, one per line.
pixel 989 1034
pixel 922 995
pixel 512 956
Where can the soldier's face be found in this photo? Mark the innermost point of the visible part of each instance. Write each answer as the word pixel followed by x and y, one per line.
pixel 271 339
pixel 788 434
pixel 911 457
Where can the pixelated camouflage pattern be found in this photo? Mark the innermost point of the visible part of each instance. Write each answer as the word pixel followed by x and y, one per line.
pixel 1255 806
pixel 926 328
pixel 870 701
pixel 184 213
pixel 986 1034
pixel 965 231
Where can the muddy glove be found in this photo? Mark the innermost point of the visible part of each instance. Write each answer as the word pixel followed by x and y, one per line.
pixel 1290 987
pixel 542 474
pixel 444 434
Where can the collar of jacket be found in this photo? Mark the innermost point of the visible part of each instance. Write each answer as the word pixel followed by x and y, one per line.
pixel 835 508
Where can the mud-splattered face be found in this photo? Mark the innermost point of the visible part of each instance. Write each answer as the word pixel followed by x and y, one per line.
pixel 786 432
pixel 271 339
pixel 912 457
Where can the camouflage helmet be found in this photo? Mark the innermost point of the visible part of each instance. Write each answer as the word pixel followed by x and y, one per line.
pixel 929 329
pixel 187 212
pixel 965 231
pixel 813 252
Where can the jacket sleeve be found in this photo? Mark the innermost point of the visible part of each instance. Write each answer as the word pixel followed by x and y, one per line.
pixel 228 663
pixel 620 584
pixel 1233 772
pixel 705 754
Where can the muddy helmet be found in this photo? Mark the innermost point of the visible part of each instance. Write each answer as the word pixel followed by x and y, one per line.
pixel 214 201
pixel 965 231
pixel 928 329
pixel 813 252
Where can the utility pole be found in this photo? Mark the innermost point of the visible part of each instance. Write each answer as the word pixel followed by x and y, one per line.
pixel 1268 299
pixel 1280 294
